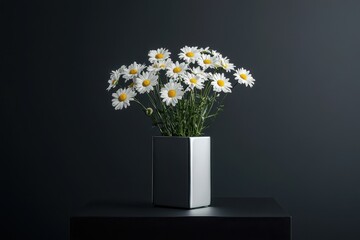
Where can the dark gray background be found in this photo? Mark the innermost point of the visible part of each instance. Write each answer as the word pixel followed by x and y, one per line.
pixel 294 136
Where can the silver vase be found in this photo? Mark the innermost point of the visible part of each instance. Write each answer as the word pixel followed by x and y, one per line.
pixel 181 172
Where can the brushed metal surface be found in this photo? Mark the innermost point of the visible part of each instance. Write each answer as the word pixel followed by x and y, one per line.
pixel 200 181
pixel 171 175
pixel 181 171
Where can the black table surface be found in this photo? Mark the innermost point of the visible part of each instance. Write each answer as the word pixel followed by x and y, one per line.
pixel 225 218
pixel 220 207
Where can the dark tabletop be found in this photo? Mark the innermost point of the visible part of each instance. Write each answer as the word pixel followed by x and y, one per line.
pixel 220 207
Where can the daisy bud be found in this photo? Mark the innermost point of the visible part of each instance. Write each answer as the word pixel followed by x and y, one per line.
pixel 149 111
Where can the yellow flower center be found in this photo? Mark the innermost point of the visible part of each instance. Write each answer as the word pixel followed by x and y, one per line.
pixel 193 80
pixel 159 56
pixel 207 61
pixel 243 76
pixel 133 71
pixel 122 97
pixel 146 83
pixel 177 70
pixel 171 93
pixel 220 82
pixel 189 54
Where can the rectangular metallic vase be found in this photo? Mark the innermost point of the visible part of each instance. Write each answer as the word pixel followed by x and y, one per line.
pixel 181 172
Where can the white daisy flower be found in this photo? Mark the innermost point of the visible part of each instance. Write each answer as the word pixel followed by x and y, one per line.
pixel 171 93
pixel 121 69
pixel 199 72
pixel 174 70
pixel 158 55
pixel 189 54
pixel 194 81
pixel 132 84
pixel 206 61
pixel 215 53
pixel 146 82
pixel 133 71
pixel 122 98
pixel 114 79
pixel 159 65
pixel 244 77
pixel 220 83
pixel 225 64
pixel 205 50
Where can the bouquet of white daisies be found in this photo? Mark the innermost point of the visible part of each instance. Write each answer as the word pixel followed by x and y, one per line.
pixel 182 96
